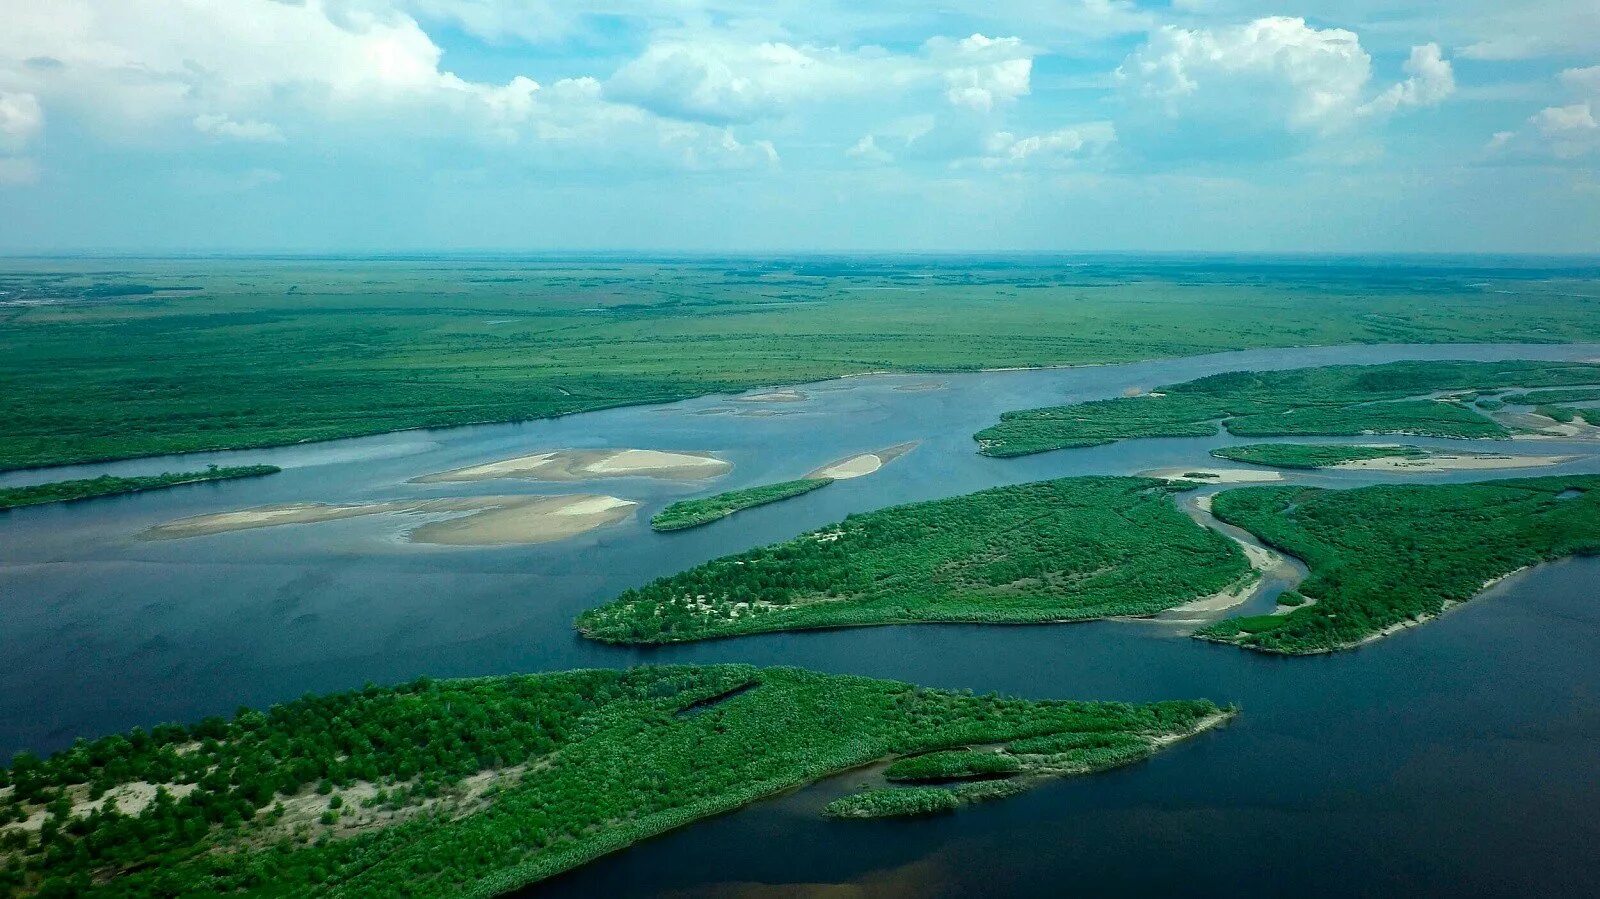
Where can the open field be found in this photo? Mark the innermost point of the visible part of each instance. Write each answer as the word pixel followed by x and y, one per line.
pixel 474 787
pixel 1336 400
pixel 1064 550
pixel 106 359
pixel 1387 557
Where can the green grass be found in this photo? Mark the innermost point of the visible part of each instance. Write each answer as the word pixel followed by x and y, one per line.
pixel 953 765
pixel 107 485
pixel 1339 400
pixel 1312 455
pixel 695 512
pixel 1385 556
pixel 387 791
pixel 1064 550
pixel 141 357
pixel 1547 397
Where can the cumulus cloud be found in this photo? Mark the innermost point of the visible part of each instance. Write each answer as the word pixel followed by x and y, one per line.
pixel 248 130
pixel 720 78
pixel 1431 80
pixel 867 150
pixel 1568 131
pixel 21 121
pixel 1273 86
pixel 1052 149
pixel 981 71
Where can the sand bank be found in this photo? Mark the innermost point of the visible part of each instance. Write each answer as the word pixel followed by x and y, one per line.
pixel 583 465
pixel 462 521
pixel 784 395
pixel 1453 462
pixel 864 464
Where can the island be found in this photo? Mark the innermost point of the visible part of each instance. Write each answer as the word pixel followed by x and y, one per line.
pixel 692 513
pixel 1377 457
pixel 1387 557
pixel 110 485
pixel 445 788
pixel 1339 400
pixel 1063 550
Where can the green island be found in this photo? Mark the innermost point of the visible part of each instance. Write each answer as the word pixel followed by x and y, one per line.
pixel 978 775
pixel 1339 400
pixel 1569 414
pixel 1313 455
pixel 1386 557
pixel 264 352
pixel 108 485
pixel 479 786
pixel 692 513
pixel 1063 550
pixel 1552 397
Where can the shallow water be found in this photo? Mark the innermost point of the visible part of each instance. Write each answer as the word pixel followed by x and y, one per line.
pixel 1456 755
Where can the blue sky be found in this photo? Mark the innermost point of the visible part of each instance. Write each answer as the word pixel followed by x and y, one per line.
pixel 1034 125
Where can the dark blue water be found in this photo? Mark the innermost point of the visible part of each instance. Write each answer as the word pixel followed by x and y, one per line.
pixel 1456 756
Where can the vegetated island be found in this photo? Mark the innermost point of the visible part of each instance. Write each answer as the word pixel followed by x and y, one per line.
pixel 110 485
pixel 476 787
pixel 692 513
pixel 1385 557
pixel 1331 401
pixel 1063 550
pixel 1378 457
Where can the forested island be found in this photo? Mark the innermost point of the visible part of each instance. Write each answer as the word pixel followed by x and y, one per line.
pixel 1339 400
pixel 108 485
pixel 1313 455
pixel 1063 550
pixel 1388 556
pixel 475 787
pixel 691 513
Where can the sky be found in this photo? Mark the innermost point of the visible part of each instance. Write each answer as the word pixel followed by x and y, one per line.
pixel 328 126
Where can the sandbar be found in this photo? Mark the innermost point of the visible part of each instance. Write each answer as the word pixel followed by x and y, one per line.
pixel 463 521
pixel 583 465
pixel 864 464
pixel 1453 462
pixel 785 395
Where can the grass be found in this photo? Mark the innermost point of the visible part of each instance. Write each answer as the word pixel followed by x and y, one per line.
pixel 476 787
pixel 1313 455
pixel 1338 400
pixel 1064 550
pixel 110 360
pixel 1388 556
pixel 107 485
pixel 696 512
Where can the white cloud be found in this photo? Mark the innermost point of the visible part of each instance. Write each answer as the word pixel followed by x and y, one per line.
pixel 1568 131
pixel 981 71
pixel 1056 148
pixel 248 130
pixel 867 150
pixel 722 78
pixel 21 121
pixel 1431 80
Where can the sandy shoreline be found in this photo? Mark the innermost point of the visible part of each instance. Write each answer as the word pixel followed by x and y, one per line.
pixel 864 464
pixel 583 465
pixel 463 521
pixel 1452 462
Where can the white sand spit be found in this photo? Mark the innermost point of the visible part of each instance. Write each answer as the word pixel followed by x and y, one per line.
pixel 583 465
pixel 862 465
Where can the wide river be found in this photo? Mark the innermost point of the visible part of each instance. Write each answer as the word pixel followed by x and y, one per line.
pixel 1456 757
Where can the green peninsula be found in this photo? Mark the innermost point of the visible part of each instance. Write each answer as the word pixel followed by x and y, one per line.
pixel 695 512
pixel 107 485
pixel 1313 455
pixel 1340 400
pixel 476 787
pixel 1063 550
pixel 1385 557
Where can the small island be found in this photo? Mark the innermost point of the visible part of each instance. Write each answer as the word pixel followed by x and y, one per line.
pixel 1332 401
pixel 1377 457
pixel 695 512
pixel 1064 550
pixel 110 485
pixel 1391 556
pixel 477 787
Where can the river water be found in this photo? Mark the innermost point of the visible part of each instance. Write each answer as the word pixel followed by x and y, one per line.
pixel 1459 756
